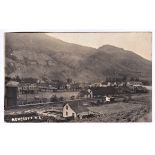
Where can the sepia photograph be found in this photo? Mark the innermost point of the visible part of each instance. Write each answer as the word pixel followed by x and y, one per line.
pixel 103 77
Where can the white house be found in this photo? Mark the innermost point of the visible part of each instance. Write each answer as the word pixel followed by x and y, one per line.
pixel 74 110
pixel 90 93
pixel 109 99
pixel 68 86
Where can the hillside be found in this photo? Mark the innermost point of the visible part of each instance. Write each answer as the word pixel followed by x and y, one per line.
pixel 37 55
pixel 110 61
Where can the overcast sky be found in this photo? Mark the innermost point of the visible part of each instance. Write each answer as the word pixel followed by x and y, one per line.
pixel 139 43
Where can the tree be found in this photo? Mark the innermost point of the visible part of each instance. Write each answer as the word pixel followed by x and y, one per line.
pixel 18 79
pixel 124 78
pixel 69 80
pixel 132 79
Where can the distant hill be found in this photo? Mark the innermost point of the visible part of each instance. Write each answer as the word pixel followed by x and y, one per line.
pixel 37 55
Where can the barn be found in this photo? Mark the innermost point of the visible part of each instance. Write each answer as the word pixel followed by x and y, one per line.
pixel 74 110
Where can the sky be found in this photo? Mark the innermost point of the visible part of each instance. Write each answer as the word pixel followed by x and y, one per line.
pixel 138 42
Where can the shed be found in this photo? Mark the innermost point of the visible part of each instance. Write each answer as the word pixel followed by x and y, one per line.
pixel 11 90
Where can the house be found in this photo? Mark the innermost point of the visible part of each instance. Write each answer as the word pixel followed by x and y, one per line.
pixel 51 88
pixel 139 89
pixel 84 85
pixel 99 84
pixel 109 99
pixel 121 84
pixel 132 83
pixel 90 93
pixel 27 88
pixel 74 110
pixel 68 86
pixel 109 84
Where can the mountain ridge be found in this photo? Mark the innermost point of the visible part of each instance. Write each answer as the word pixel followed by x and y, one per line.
pixel 37 55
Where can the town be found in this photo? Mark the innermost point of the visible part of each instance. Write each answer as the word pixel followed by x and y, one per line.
pixel 124 99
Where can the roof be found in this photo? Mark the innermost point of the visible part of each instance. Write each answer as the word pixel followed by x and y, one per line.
pixel 78 108
pixel 12 84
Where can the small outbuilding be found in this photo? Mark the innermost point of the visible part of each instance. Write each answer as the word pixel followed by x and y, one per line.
pixel 11 91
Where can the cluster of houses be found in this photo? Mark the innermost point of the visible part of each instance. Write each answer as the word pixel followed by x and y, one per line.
pixel 112 88
pixel 87 90
pixel 28 88
pixel 116 84
pixel 102 91
pixel 34 88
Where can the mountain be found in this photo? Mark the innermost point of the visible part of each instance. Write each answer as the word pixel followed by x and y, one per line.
pixel 113 61
pixel 37 55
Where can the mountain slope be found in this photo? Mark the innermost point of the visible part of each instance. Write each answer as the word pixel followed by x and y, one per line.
pixel 110 60
pixel 37 55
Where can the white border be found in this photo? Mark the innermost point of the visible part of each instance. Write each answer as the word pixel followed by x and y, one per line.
pixel 73 135
pixel 85 138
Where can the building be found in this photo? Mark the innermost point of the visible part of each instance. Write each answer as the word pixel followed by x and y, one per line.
pixel 74 110
pixel 139 89
pixel 51 88
pixel 27 88
pixel 108 99
pixel 11 91
pixel 84 85
pixel 132 83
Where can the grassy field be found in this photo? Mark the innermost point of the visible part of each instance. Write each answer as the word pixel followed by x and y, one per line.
pixel 137 109
pixel 114 108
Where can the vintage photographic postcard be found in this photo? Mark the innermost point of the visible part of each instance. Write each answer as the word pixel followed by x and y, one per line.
pixel 78 77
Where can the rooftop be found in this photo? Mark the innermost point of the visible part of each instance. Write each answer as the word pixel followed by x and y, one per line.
pixel 77 107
